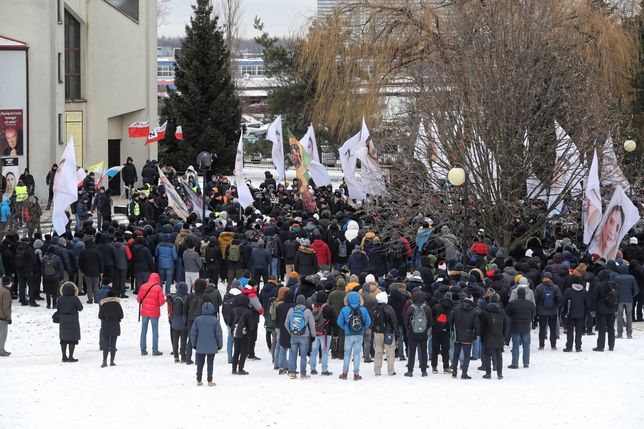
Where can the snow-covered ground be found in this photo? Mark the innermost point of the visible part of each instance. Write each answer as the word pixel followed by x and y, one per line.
pixel 579 390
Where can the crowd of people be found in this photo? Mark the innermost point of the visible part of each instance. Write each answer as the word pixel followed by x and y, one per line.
pixel 325 285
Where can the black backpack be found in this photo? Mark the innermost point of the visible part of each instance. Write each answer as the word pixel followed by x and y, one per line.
pixel 356 323
pixel 49 266
pixel 227 308
pixel 612 297
pixel 21 255
pixel 177 306
pixel 194 310
pixel 397 250
pixel 379 319
pixel 272 247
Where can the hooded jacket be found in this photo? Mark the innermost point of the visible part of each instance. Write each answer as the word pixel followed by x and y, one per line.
pixel 465 321
pixel 417 301
pixel 493 324
pixel 90 261
pixel 241 314
pixel 353 300
pixel 521 312
pixel 309 322
pixel 68 306
pixel 205 334
pixel 166 253
pixel 576 301
pixel 151 305
pixel 110 313
pixel 280 317
pixel 540 295
pixel 178 319
pixel 357 262
pixel 322 252
pixel 306 261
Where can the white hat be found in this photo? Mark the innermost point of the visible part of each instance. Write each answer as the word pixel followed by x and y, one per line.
pixel 382 298
pixel 529 253
pixel 633 240
pixel 370 278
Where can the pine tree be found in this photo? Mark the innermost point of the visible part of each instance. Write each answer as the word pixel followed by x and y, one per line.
pixel 204 103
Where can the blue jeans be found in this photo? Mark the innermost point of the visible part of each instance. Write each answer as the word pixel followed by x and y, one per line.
pixel 166 277
pixel 352 345
pixel 300 344
pixel 229 345
pixel 476 348
pixel 523 340
pixel 321 342
pixel 273 270
pixel 155 332
pixel 281 357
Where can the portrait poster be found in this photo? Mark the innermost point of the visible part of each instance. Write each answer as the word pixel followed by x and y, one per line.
pixel 11 132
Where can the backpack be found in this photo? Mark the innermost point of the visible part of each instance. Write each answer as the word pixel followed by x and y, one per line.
pixel 397 250
pixel 356 324
pixel 177 307
pixel 49 266
pixel 195 306
pixel 21 255
pixel 549 297
pixel 612 297
pixel 379 322
pixel 234 253
pixel 418 320
pixel 270 316
pixel 320 322
pixel 227 308
pixel 297 322
pixel 272 247
pixel 342 249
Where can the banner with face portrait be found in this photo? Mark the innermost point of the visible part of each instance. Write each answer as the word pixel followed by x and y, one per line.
pixel 620 216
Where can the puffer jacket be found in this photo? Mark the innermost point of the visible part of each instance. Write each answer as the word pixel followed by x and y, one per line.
pixel 205 335
pixel 322 251
pixel 465 321
pixel 151 305
pixel 493 324
pixel 353 300
pixel 166 253
pixel 306 262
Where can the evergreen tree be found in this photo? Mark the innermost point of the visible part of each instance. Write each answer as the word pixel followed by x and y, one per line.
pixel 205 103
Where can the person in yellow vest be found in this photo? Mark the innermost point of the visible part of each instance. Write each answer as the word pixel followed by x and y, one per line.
pixel 133 209
pixel 145 189
pixel 21 193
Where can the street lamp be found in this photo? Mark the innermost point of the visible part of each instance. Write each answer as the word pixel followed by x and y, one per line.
pixel 630 145
pixel 204 160
pixel 457 176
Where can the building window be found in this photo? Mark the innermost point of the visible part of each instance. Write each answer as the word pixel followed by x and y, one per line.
pixel 60 129
pixel 59 16
pixel 128 8
pixel 72 58
pixel 60 68
pixel 165 71
pixel 254 70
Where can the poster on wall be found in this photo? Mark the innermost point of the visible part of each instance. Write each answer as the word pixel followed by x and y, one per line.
pixel 11 132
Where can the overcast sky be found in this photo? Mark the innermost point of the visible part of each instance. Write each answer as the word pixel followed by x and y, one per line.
pixel 281 17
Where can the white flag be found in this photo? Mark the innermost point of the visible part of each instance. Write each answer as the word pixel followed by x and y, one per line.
pixel 612 174
pixel 309 144
pixel 620 216
pixel 316 170
pixel 274 134
pixel 348 161
pixel 175 202
pixel 243 193
pixel 421 152
pixel 65 189
pixel 593 207
pixel 371 174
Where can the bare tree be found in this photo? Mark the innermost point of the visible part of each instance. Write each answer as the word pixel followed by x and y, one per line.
pixel 163 11
pixel 487 74
pixel 230 13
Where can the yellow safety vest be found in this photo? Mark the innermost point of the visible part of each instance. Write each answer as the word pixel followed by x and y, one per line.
pixel 137 211
pixel 146 190
pixel 194 188
pixel 21 193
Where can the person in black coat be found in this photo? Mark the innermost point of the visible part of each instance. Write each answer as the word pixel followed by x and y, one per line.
pixel 284 335
pixel 90 263
pixel 212 256
pixel 604 311
pixel 575 305
pixel 440 334
pixel 241 331
pixel 417 339
pixel 465 322
pixel 67 307
pixel 110 314
pixel 25 262
pixel 493 324
pixel 128 173
pixel 143 262
pixel 521 312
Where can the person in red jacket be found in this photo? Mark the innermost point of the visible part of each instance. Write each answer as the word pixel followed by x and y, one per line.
pixel 323 253
pixel 150 299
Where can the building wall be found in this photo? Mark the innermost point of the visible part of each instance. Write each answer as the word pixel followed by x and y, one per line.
pixel 118 77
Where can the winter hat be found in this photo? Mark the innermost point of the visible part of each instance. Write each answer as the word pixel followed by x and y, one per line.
pixel 260 243
pixel 393 273
pixel 234 291
pixel 38 244
pixel 300 300
pixel 547 275
pixel 529 253
pixel 382 298
pixel 340 282
pixel 459 267
pixel 366 287
pixel 62 241
pixel 633 240
pixel 235 284
pixel 251 283
pixel 353 278
pixel 306 242
pixel 320 297
pixel 494 298
pixel 523 281
pixel 442 266
pixel 370 278
pixel 6 281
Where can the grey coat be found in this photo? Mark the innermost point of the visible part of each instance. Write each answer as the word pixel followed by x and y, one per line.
pixel 191 261
pixel 308 318
pixel 205 335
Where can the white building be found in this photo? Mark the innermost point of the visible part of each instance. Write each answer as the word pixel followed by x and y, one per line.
pixel 85 68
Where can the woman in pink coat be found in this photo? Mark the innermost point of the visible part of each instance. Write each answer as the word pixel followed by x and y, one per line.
pixel 150 299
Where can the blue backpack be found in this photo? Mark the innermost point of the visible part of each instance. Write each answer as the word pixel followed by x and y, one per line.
pixel 549 297
pixel 297 322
